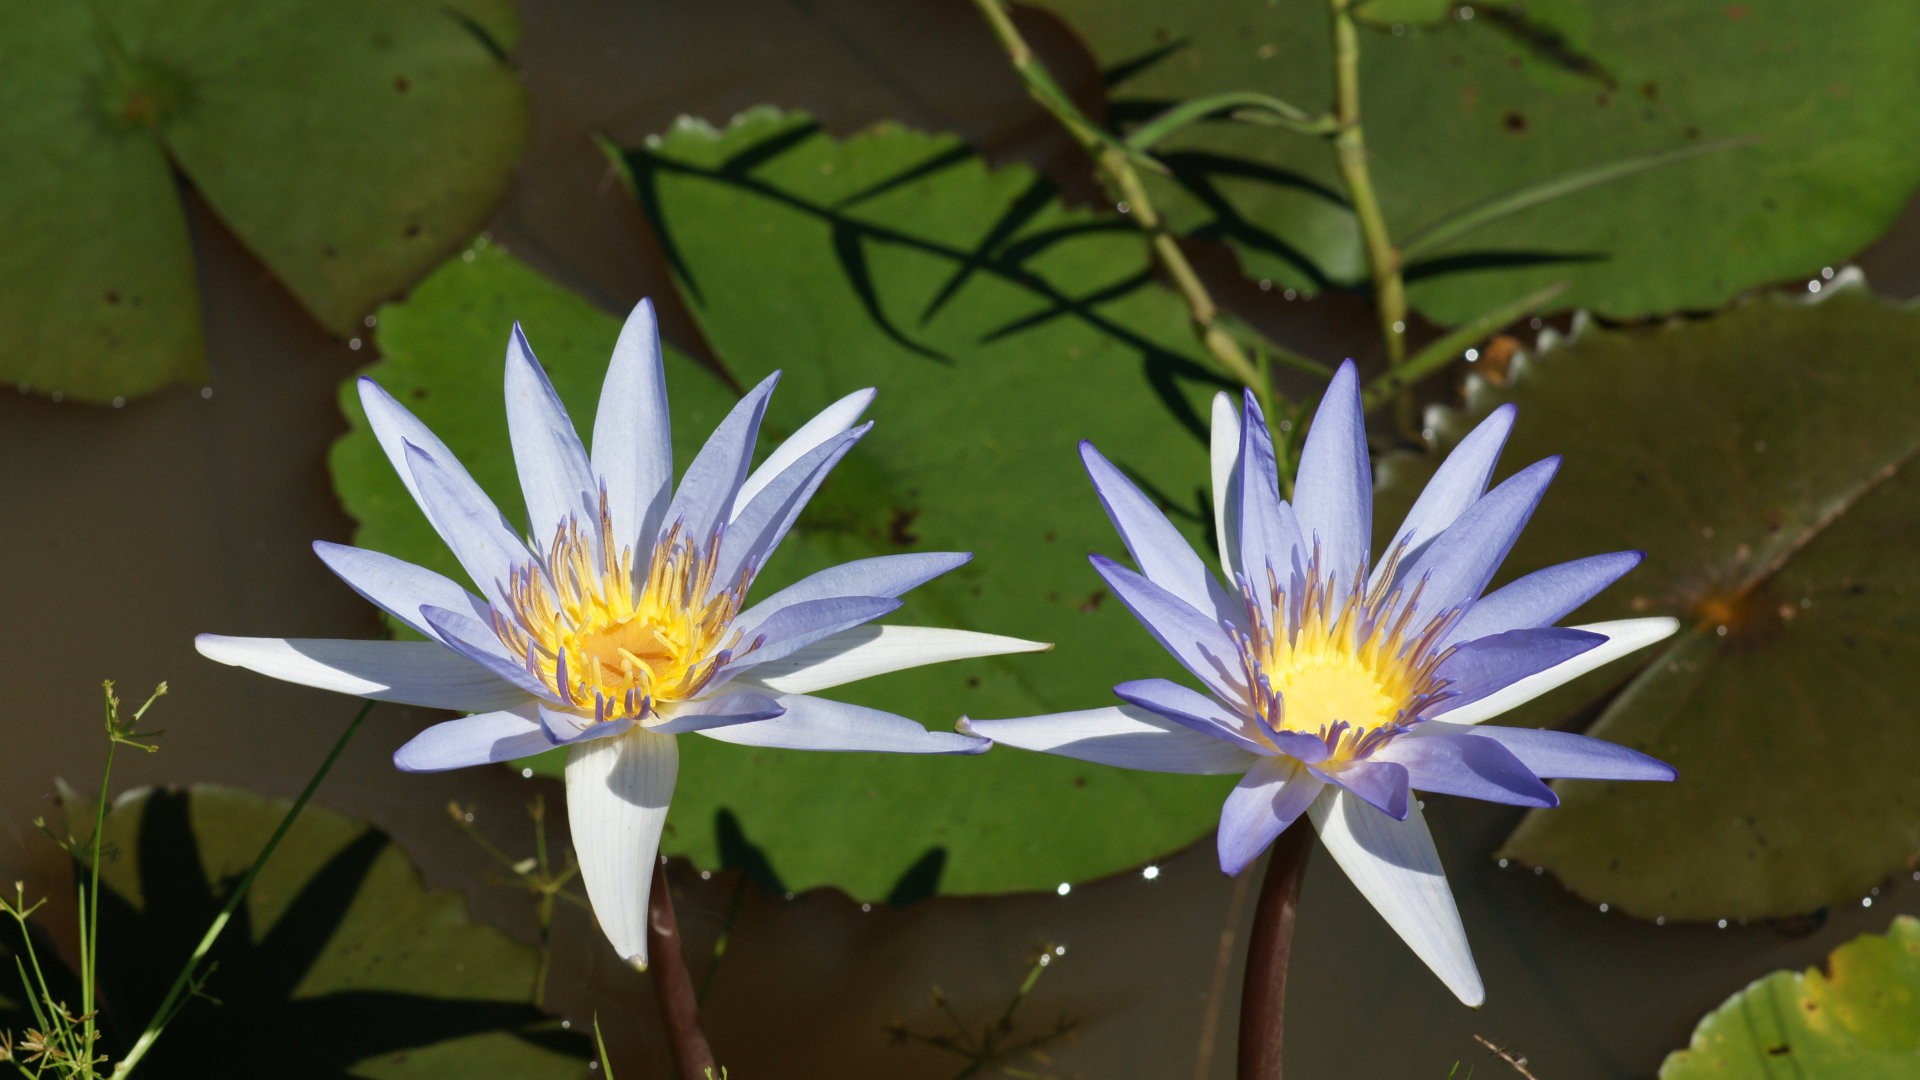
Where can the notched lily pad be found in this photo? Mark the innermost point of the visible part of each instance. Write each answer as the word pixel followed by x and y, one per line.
pixel 350 145
pixel 1858 1019
pixel 339 963
pixel 1518 94
pixel 1764 461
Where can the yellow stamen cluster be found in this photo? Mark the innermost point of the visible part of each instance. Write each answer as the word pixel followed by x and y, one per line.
pixel 1340 660
pixel 603 638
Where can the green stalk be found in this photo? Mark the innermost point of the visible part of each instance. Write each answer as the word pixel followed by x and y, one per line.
pixel 171 1003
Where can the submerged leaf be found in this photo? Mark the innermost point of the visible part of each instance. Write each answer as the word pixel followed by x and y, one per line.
pixel 1762 459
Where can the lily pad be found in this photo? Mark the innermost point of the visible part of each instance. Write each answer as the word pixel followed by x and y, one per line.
pixel 1762 460
pixel 1857 1020
pixel 350 145
pixel 1504 96
pixel 339 963
pixel 1000 328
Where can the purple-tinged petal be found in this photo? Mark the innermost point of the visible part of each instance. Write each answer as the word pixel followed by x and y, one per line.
pixel 1565 755
pixel 422 673
pixel 796 626
pixel 1457 565
pixel 396 587
pixel 760 525
pixel 1448 763
pixel 1272 796
pixel 1333 493
pixel 555 478
pixel 1482 667
pixel 825 426
pixel 632 434
pixel 394 427
pixel 477 642
pixel 1381 784
pixel 1395 866
pixel 812 723
pixel 1198 641
pixel 1622 637
pixel 1191 709
pixel 565 727
pixel 1162 554
pixel 1543 597
pixel 707 491
pixel 617 795
pixel 882 575
pixel 1270 540
pixel 1123 736
pixel 866 651
pixel 474 740
pixel 1225 445
pixel 487 547
pixel 732 708
pixel 1456 485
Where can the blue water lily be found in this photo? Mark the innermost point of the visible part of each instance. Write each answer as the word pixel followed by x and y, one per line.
pixel 623 621
pixel 1338 685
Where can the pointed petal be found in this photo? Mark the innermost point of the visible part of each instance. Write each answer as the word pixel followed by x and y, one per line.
pixel 1456 567
pixel 396 587
pixel 487 547
pixel 796 626
pixel 1191 709
pixel 1453 763
pixel 760 525
pixel 1270 539
pixel 730 708
pixel 1623 636
pixel 474 740
pixel 1123 736
pixel 1382 784
pixel 866 651
pixel 882 575
pixel 420 673
pixel 554 475
pixel 812 723
pixel 1394 865
pixel 1477 669
pixel 1226 482
pixel 1199 642
pixel 1543 597
pixel 394 427
pixel 1163 555
pixel 476 642
pixel 632 434
pixel 617 794
pixel 826 426
pixel 707 491
pixel 1272 796
pixel 1457 484
pixel 1333 493
pixel 1563 754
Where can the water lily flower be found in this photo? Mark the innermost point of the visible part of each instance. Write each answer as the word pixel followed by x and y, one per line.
pixel 1336 685
pixel 624 622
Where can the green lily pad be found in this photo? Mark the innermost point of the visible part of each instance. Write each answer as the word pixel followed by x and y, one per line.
pixel 1758 458
pixel 1857 1020
pixel 339 963
pixel 1472 108
pixel 1000 328
pixel 351 146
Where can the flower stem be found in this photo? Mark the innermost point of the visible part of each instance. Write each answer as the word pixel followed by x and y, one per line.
pixel 1350 151
pixel 1123 182
pixel 1263 994
pixel 186 979
pixel 673 985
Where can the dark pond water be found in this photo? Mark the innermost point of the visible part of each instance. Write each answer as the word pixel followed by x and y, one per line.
pixel 132 529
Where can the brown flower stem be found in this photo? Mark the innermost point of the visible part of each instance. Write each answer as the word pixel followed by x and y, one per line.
pixel 1263 994
pixel 673 985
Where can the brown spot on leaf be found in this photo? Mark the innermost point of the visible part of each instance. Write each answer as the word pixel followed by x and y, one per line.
pixel 1515 122
pixel 1092 602
pixel 402 85
pixel 113 296
pixel 900 525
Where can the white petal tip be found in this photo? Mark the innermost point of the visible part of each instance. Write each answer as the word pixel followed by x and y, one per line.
pixel 637 963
